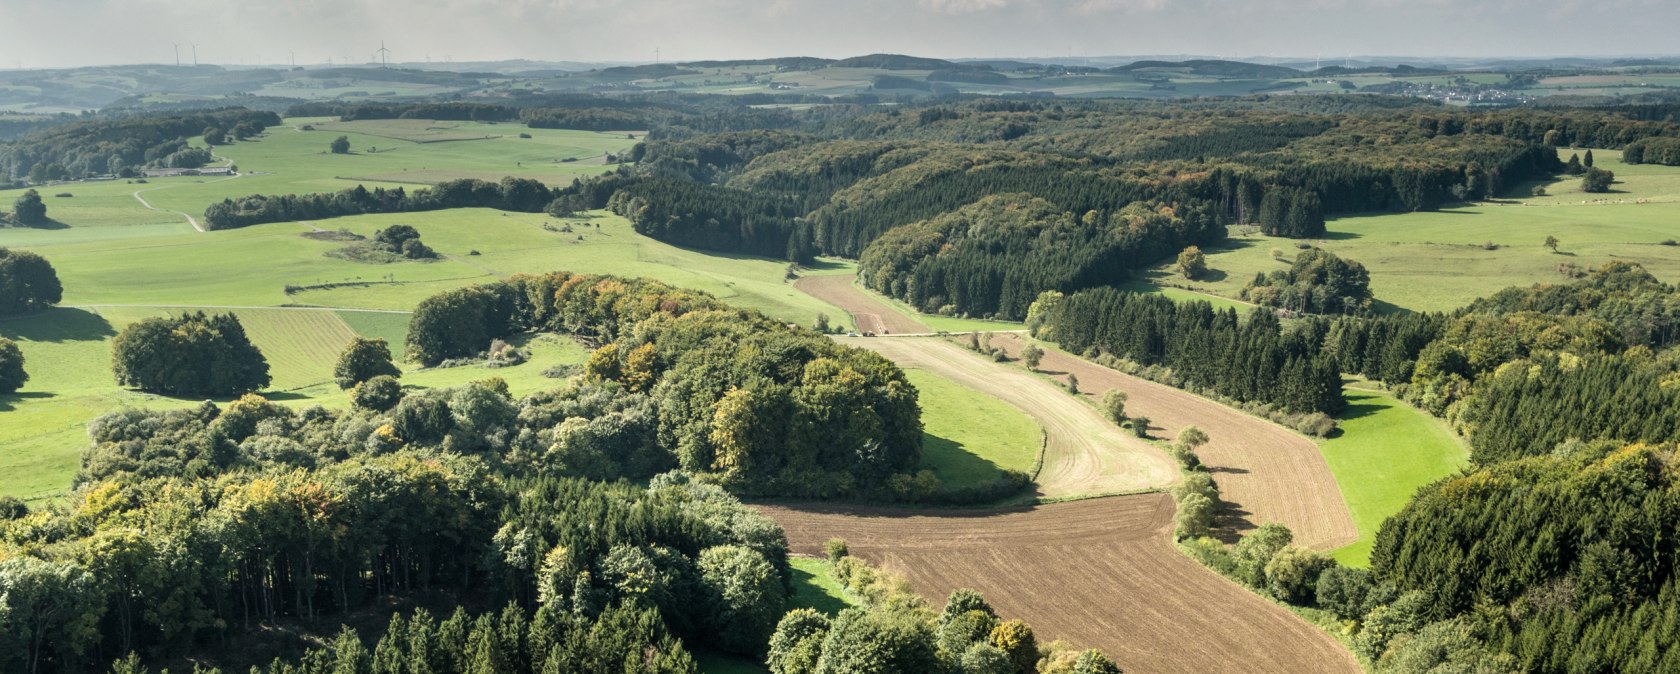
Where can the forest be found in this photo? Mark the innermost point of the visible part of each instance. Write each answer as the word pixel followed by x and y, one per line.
pixel 682 380
pixel 115 146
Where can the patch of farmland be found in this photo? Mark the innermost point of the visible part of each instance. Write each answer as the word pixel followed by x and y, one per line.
pixel 1100 573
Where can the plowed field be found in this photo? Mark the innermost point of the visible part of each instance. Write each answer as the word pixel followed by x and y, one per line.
pixel 1100 573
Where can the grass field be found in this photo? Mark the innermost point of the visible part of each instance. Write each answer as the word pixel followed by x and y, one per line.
pixel 121 262
pixel 968 437
pixel 1386 450
pixel 1441 260
pixel 69 354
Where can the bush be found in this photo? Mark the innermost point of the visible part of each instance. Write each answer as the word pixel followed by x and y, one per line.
pixel 1343 591
pixel 797 642
pixel 1140 426
pixel 12 376
pixel 29 209
pixel 746 596
pixel 341 145
pixel 189 355
pixel 1114 405
pixel 1597 180
pixel 836 548
pixel 1292 574
pixel 28 283
pixel 364 359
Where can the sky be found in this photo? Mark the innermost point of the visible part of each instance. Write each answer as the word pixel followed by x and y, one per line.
pixel 57 33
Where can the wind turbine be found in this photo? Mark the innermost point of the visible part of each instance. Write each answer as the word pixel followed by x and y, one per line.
pixel 383 54
pixel 195 54
pixel 177 54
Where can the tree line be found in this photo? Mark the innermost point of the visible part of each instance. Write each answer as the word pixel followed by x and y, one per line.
pixel 521 195
pixel 1249 359
pixel 116 145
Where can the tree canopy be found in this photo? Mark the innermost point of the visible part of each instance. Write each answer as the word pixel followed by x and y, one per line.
pixel 193 354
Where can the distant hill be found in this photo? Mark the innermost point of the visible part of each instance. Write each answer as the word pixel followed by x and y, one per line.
pixel 1213 68
pixel 897 62
pixel 784 63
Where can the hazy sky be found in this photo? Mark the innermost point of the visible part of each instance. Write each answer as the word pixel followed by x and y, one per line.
pixel 81 32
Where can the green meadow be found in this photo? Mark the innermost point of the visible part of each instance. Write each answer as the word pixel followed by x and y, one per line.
pixel 1385 451
pixel 121 262
pixel 970 438
pixel 1442 260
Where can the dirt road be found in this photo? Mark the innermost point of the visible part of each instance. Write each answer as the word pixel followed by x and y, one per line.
pixel 1100 573
pixel 1266 473
pixel 869 313
pixel 1084 454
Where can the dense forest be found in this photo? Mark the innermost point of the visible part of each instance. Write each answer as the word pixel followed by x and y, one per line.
pixel 116 146
pixel 681 379
pixel 1248 359
pixel 993 257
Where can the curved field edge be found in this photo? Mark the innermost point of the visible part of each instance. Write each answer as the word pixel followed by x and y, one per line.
pixel 1100 573
pixel 970 438
pixel 1266 473
pixel 1386 450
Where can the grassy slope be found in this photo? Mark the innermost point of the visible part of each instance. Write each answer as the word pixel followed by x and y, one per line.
pixel 110 250
pixel 1437 261
pixel 1387 449
pixel 969 437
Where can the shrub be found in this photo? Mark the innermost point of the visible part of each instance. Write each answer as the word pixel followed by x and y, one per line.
pixel 1292 574
pixel 379 393
pixel 28 283
pixel 1114 405
pixel 1140 426
pixel 364 359
pixel 797 642
pixel 12 376
pixel 340 145
pixel 836 548
pixel 192 354
pixel 1343 591
pixel 1015 639
pixel 1597 180
pixel 1031 355
pixel 29 209
pixel 746 597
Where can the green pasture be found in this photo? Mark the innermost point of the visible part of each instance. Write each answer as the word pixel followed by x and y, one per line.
pixel 970 438
pixel 1385 451
pixel 1442 260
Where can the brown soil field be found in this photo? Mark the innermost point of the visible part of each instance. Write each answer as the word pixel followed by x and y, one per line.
pixel 1100 573
pixel 869 313
pixel 1266 473
pixel 1084 454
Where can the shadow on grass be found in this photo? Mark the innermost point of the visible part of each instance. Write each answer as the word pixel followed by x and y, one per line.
pixel 955 465
pixel 59 324
pixel 808 593
pixel 49 224
pixel 8 402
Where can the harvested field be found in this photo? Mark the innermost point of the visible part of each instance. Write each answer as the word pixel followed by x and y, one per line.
pixel 1100 573
pixel 1084 455
pixel 1266 473
pixel 871 315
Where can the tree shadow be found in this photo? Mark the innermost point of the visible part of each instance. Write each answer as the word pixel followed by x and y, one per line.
pixel 49 224
pixel 808 593
pixel 9 402
pixel 56 325
pixel 951 460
